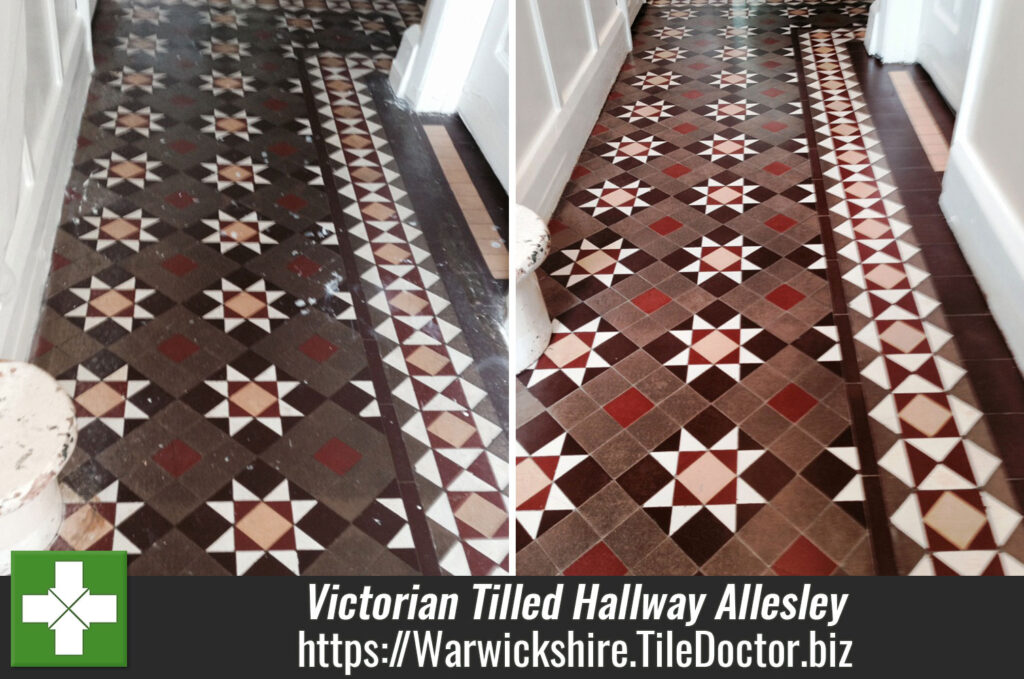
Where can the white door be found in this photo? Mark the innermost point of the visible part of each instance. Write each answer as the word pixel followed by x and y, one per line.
pixel 483 105
pixel 947 31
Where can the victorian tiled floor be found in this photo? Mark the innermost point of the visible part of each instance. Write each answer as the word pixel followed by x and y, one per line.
pixel 275 368
pixel 752 370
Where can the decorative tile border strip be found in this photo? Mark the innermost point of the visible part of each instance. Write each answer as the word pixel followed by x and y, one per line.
pixel 946 495
pixel 463 485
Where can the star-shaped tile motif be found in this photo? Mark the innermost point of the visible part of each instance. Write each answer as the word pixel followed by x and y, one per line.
pixel 725 195
pixel 121 400
pixel 252 305
pixel 734 79
pixel 604 258
pixel 241 172
pixel 261 399
pixel 226 49
pixel 728 148
pixel 240 123
pixel 656 80
pixel 645 111
pixel 100 302
pixel 145 79
pixel 720 260
pixel 150 45
pixel 137 170
pixel 130 230
pixel 714 349
pixel 617 198
pixel 665 55
pixel 141 121
pixel 221 82
pixel 634 149
pixel 261 523
pixel 732 109
pixel 224 17
pixel 245 231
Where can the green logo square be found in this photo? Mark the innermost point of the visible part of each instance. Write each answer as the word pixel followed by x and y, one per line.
pixel 69 609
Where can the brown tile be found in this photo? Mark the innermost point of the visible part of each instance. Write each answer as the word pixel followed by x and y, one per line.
pixel 567 540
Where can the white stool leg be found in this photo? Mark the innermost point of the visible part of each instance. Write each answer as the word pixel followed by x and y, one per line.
pixel 533 326
pixel 33 526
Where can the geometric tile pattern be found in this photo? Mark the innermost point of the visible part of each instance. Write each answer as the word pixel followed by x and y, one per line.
pixel 946 493
pixel 437 396
pixel 690 413
pixel 269 374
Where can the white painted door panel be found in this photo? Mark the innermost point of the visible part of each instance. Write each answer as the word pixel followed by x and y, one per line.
pixel 483 105
pixel 45 66
pixel 568 53
pixel 947 33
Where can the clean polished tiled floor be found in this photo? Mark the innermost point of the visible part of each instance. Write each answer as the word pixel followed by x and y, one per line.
pixel 275 369
pixel 752 369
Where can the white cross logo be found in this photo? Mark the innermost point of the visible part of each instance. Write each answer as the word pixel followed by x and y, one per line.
pixel 68 608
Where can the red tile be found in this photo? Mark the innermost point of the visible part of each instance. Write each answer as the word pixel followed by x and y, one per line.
pixel 178 348
pixel 179 199
pixel 772 92
pixel 43 347
pixel 693 94
pixel 283 149
pixel 685 128
pixel 803 558
pixel 304 266
pixel 600 560
pixel 555 226
pixel 275 104
pixel 338 457
pixel 781 223
pixel 318 349
pixel 793 402
pixel 599 129
pixel 778 169
pixel 784 297
pixel 629 407
pixel 59 261
pixel 182 100
pixel 580 171
pixel 179 265
pixel 176 457
pixel 651 301
pixel 181 146
pixel 676 171
pixel 291 202
pixel 774 126
pixel 666 225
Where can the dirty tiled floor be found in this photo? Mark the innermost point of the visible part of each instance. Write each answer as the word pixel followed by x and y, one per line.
pixel 273 372
pixel 750 372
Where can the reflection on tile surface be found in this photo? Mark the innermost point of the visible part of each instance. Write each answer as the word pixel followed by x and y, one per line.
pixel 270 374
pixel 736 385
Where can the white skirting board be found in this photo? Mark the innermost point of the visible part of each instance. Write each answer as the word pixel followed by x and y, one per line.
pixel 548 169
pixel 991 235
pixel 30 249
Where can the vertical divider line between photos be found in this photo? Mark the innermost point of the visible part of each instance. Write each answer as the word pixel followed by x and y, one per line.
pixel 874 505
pixel 513 280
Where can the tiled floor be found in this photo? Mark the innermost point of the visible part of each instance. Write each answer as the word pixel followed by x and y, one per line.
pixel 751 370
pixel 275 369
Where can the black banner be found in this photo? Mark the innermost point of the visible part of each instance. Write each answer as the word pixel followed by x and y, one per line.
pixel 389 627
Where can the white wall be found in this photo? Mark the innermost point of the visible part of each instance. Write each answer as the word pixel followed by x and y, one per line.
pixel 45 62
pixel 982 196
pixel 938 34
pixel 568 54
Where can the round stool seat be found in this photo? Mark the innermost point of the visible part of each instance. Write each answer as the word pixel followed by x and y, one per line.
pixel 37 436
